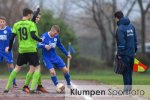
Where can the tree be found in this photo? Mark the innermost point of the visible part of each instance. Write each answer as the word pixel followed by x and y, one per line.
pixel 102 13
pixel 143 22
pixel 8 9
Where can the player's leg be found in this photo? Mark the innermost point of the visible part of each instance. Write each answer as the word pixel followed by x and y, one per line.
pixel 22 59
pixel 55 80
pixel 11 78
pixel 35 78
pixel 60 64
pixel 34 60
pixel 1 57
pixel 40 86
pixel 49 66
pixel 53 76
pixel 11 68
pixel 29 75
pixel 9 59
pixel 28 79
pixel 66 75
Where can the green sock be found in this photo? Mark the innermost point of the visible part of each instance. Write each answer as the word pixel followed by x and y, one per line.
pixel 40 80
pixel 28 79
pixel 35 79
pixel 10 80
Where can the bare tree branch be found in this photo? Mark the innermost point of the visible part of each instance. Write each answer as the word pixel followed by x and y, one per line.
pixel 147 8
pixel 125 5
pixel 131 7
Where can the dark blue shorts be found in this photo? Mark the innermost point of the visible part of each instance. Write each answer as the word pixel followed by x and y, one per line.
pixel 58 62
pixel 8 57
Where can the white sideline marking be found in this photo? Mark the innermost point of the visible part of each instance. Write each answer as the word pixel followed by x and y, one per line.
pixel 85 97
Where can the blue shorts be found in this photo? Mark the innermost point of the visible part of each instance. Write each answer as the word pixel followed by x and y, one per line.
pixel 58 62
pixel 8 57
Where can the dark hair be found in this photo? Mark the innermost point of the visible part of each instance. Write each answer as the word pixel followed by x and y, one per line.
pixel 3 18
pixel 119 14
pixel 27 11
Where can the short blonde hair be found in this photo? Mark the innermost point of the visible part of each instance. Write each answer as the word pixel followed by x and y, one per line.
pixel 3 18
pixel 56 27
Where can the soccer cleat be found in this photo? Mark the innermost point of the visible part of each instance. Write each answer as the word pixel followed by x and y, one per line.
pixel 14 85
pixel 26 89
pixel 6 91
pixel 34 92
pixel 41 88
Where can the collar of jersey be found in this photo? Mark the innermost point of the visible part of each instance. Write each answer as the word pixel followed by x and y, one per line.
pixel 3 28
pixel 49 35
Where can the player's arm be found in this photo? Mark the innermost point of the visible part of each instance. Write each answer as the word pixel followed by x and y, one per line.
pixel 35 37
pixel 61 46
pixel 43 44
pixel 121 42
pixel 135 40
pixel 9 37
pixel 35 15
pixel 11 41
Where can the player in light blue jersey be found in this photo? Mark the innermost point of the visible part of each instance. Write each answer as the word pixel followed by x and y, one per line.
pixel 49 56
pixel 5 35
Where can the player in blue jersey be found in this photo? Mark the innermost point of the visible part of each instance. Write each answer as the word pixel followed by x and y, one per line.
pixel 49 56
pixel 5 35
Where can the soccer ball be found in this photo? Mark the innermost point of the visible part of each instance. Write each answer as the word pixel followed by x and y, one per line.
pixel 60 88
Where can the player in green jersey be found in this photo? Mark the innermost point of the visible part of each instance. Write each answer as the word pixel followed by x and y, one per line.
pixel 35 19
pixel 25 32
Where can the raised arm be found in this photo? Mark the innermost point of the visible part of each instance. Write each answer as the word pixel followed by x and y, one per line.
pixel 61 46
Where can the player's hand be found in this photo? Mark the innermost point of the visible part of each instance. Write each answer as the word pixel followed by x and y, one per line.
pixel 69 56
pixel 47 47
pixel 7 49
pixel 42 39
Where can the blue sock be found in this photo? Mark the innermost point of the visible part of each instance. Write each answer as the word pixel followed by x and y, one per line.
pixel 55 80
pixel 10 70
pixel 67 77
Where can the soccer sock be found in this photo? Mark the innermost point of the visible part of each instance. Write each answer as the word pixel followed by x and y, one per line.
pixel 10 70
pixel 10 79
pixel 55 80
pixel 35 79
pixel 28 79
pixel 67 77
pixel 40 80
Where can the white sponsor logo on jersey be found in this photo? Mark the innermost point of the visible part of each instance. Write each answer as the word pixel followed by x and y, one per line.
pixel 3 37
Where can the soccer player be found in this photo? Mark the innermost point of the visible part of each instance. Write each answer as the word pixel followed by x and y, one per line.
pixel 5 35
pixel 25 32
pixel 49 56
pixel 35 19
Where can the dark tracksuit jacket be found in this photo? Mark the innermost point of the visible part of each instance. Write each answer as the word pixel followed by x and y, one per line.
pixel 126 46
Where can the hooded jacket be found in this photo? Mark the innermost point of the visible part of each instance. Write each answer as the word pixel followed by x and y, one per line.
pixel 126 38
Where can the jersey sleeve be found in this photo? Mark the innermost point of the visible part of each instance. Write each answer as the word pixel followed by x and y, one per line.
pixel 33 27
pixel 61 46
pixel 43 43
pixel 10 33
pixel 121 42
pixel 14 29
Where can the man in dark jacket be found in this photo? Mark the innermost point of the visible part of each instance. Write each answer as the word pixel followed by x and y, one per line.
pixel 126 47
